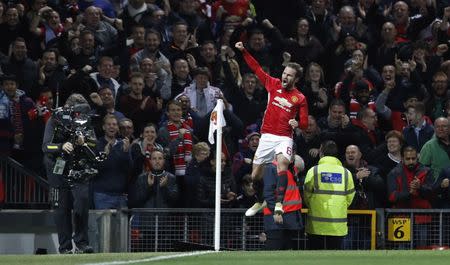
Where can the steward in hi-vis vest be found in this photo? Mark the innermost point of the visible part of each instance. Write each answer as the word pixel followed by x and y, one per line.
pixel 328 192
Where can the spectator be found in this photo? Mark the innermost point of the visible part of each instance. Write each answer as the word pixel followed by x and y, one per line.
pixel 243 160
pixel 320 20
pixel 16 134
pixel 209 58
pixel 137 12
pixel 441 188
pixel 12 28
pixel 367 135
pixel 248 101
pixel 435 103
pixel 368 184
pixel 110 186
pixel 46 27
pixel 202 95
pixel 435 152
pixel 385 51
pixel 51 75
pixel 347 21
pixel 337 126
pixel 408 28
pixel 151 50
pixel 189 115
pixel 359 98
pixel 104 75
pixel 305 48
pixel 107 105
pixel 196 168
pixel 181 78
pixel 256 44
pixel 366 178
pixel 126 129
pixel 157 80
pixel 410 187
pixel 316 91
pixel 182 42
pixel 105 34
pixel 154 189
pixel 88 53
pixel 308 143
pixel 141 109
pixel 418 131
pixel 246 193
pixel 141 149
pixel 21 66
pixel 206 187
pixel 177 136
pixel 394 99
pixel 391 156
pixel 128 50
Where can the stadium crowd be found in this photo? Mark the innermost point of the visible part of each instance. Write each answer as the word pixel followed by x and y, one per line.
pixel 375 77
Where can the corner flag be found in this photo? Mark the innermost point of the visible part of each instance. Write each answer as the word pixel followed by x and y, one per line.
pixel 216 119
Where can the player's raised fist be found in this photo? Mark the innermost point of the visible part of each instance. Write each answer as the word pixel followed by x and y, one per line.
pixel 239 46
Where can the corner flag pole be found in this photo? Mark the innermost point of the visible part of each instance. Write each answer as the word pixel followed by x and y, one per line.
pixel 218 175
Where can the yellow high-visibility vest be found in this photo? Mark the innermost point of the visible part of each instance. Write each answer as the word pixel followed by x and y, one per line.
pixel 328 191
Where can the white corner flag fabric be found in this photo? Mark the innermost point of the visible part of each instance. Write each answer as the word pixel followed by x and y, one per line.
pixel 215 118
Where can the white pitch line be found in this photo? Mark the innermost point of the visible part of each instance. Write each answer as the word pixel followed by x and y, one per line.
pixel 157 258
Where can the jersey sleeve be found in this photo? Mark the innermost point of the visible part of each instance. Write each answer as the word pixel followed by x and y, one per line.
pixel 268 82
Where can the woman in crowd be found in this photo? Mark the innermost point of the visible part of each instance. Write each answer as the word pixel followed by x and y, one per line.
pixel 142 148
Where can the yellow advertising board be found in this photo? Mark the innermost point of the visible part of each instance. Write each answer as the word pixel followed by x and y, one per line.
pixel 399 229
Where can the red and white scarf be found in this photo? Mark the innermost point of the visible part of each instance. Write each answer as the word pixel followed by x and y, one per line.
pixel 184 148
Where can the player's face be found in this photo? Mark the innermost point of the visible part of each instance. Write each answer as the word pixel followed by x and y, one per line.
pixel 288 78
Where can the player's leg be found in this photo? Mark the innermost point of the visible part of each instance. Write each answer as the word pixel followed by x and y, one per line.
pixel 264 154
pixel 257 179
pixel 258 186
pixel 284 157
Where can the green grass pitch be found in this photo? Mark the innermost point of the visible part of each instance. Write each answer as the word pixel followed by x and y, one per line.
pixel 380 257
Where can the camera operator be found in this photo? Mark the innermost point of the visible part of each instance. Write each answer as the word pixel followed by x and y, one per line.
pixel 63 152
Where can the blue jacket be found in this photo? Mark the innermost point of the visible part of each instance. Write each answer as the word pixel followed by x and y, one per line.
pixel 425 134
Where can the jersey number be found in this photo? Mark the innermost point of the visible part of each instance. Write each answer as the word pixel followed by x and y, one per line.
pixel 289 151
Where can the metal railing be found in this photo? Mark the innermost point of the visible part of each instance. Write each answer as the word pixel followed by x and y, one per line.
pixel 416 228
pixel 191 229
pixel 22 188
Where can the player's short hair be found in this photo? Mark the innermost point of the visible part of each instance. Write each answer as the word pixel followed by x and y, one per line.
pixel 298 69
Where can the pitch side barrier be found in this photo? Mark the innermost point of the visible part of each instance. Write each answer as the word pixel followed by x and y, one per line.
pixel 415 228
pixel 193 229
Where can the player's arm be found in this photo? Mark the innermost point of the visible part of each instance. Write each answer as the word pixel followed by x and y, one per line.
pixel 303 114
pixel 265 78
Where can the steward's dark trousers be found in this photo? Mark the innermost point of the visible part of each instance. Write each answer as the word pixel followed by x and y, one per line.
pixel 317 242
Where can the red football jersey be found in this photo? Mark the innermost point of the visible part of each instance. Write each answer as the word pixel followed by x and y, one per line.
pixel 282 105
